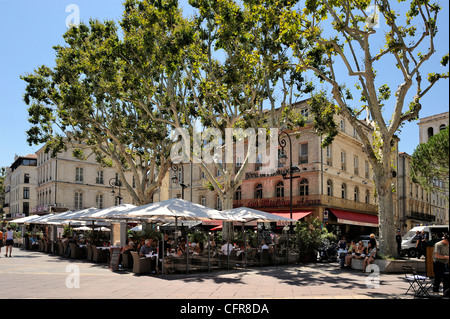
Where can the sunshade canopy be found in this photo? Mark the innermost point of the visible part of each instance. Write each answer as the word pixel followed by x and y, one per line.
pixel 247 214
pixel 34 219
pixel 72 215
pixel 175 208
pixel 112 212
pixel 26 219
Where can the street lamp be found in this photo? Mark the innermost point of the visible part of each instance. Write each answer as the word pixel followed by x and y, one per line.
pixel 175 169
pixel 114 182
pixel 283 159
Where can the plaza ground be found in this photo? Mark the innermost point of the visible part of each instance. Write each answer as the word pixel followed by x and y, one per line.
pixel 32 274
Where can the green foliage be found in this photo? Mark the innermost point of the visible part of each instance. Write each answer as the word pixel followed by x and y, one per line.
pixel 310 235
pixel 430 162
pixel 197 236
pixel 323 111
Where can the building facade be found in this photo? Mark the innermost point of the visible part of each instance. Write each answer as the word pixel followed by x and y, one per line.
pixel 431 125
pixel 333 184
pixel 416 206
pixel 20 185
pixel 68 183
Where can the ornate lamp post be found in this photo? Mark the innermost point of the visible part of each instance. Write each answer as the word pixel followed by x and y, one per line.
pixel 175 169
pixel 283 158
pixel 114 182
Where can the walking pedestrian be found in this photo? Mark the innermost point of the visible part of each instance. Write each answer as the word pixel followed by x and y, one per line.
pixel 440 264
pixel 9 241
pixel 398 239
pixel 421 244
pixel 1 241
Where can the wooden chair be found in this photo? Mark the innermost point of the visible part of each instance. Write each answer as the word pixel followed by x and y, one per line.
pixel 99 255
pixel 141 265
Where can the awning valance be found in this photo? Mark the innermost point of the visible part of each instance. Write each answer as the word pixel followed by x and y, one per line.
pixel 354 218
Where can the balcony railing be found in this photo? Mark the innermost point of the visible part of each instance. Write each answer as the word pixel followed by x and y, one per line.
pixel 305 201
pixel 422 216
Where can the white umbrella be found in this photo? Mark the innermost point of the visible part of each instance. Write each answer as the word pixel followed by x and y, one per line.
pixel 34 219
pixel 113 212
pixel 73 215
pixel 247 214
pixel 175 208
pixel 102 229
pixel 82 228
pixel 137 228
pixel 26 219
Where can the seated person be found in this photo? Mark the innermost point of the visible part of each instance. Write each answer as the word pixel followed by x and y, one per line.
pixel 146 249
pixel 342 244
pixel 360 251
pixel 34 242
pixel 350 253
pixel 226 248
pixel 129 246
pixel 196 248
pixel 264 245
pixel 167 245
pixel 372 251
pixel 181 247
pixel 140 244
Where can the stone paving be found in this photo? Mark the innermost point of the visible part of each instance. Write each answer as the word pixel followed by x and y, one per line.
pixel 32 274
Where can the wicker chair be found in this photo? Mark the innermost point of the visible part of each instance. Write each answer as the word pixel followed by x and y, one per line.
pixel 46 246
pixel 127 259
pixel 90 253
pixel 141 265
pixel 41 245
pixel 65 245
pixel 60 248
pixel 75 251
pixel 99 255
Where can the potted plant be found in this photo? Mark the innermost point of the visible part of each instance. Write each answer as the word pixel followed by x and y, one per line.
pixel 309 236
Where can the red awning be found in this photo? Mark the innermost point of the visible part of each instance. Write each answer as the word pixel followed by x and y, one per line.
pixel 353 218
pixel 295 214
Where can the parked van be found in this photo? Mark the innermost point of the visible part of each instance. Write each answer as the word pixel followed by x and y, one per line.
pixel 409 239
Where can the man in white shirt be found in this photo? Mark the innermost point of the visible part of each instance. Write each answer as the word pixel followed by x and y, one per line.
pixel 226 248
pixel 264 245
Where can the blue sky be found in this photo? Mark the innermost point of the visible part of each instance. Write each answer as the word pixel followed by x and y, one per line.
pixel 30 28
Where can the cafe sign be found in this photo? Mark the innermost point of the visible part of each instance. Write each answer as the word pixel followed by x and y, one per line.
pixel 268 173
pixel 281 202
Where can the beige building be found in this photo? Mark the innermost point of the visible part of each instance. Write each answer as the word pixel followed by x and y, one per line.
pixel 68 183
pixel 416 206
pixel 431 125
pixel 20 184
pixel 333 183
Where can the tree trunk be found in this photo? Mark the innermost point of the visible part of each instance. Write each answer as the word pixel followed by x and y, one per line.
pixel 383 183
pixel 227 227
